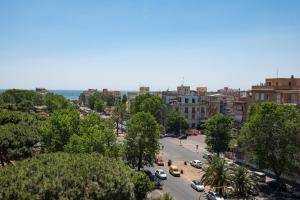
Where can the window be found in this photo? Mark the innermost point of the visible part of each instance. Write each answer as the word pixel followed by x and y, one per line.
pixel 186 110
pixel 193 125
pixel 269 83
pixel 186 100
pixel 193 101
pixel 276 83
pixel 193 110
pixel 202 110
pixel 262 96
pixel 290 83
pixel 257 96
pixel 193 116
pixel 179 99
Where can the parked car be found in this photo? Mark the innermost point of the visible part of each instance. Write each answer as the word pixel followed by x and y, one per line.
pixel 159 173
pixel 276 185
pixel 170 135
pixel 159 161
pixel 182 137
pixel 174 171
pixel 260 176
pixel 197 185
pixel 157 182
pixel 196 164
pixel 214 196
pixel 207 156
pixel 296 194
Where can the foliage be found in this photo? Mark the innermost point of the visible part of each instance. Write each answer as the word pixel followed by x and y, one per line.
pixel 17 96
pixel 26 100
pixel 217 175
pixel 99 105
pixel 175 122
pixel 142 185
pixel 269 136
pixel 124 99
pixel 18 135
pixel 62 124
pixel 142 140
pixel 165 196
pixel 56 102
pixel 107 99
pixel 67 176
pixel 242 180
pixel 218 133
pixel 17 142
pixel 96 135
pixel 119 115
pixel 148 103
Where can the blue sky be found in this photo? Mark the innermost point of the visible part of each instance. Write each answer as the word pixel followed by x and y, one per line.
pixel 73 44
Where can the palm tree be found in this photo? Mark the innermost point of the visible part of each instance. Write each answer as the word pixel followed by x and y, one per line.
pixel 119 114
pixel 217 175
pixel 243 180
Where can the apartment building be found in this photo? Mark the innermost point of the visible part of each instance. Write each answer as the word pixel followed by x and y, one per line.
pixel 189 103
pixel 278 90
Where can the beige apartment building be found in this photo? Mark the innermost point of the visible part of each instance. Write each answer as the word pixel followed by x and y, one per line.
pixel 278 90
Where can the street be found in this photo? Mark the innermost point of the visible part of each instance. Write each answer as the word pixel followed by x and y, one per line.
pixel 179 188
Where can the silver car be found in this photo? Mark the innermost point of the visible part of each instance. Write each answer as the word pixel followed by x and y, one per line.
pixel 198 186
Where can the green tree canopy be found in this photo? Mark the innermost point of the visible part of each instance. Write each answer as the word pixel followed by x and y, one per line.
pixel 124 99
pixel 67 176
pixel 96 135
pixel 217 175
pixel 99 105
pixel 17 96
pixel 243 181
pixel 142 185
pixel 175 122
pixel 142 140
pixel 119 115
pixel 62 124
pixel 218 133
pixel 148 103
pixel 56 102
pixel 269 137
pixel 17 142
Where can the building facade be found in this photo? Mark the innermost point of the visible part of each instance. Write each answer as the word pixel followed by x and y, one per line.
pixel 277 90
pixel 188 103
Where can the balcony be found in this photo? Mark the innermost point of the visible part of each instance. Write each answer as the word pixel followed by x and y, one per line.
pixel 266 87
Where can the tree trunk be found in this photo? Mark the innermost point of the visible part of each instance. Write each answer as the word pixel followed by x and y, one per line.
pixel 117 122
pixel 2 161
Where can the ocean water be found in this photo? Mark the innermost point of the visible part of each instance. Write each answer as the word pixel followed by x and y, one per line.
pixel 70 94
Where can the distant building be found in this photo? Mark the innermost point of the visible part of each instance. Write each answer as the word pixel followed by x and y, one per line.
pixel 144 90
pixel 201 90
pixel 42 91
pixel 84 97
pixel 188 103
pixel 278 90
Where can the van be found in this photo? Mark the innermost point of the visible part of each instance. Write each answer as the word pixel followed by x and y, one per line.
pixel 174 171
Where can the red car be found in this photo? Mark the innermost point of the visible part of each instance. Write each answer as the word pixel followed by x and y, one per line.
pixel 159 162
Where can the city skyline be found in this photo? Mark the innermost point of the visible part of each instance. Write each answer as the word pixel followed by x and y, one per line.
pixel 124 45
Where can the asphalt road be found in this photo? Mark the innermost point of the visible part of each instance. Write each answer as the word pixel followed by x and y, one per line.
pixel 179 188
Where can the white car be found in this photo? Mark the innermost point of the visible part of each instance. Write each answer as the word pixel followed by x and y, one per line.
pixel 196 163
pixel 159 173
pixel 198 186
pixel 214 196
